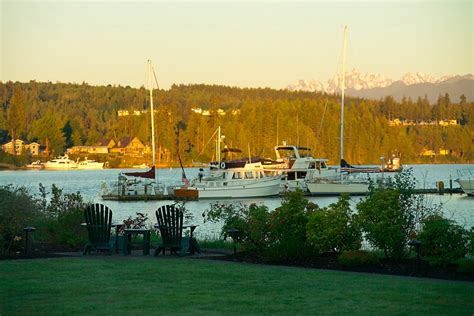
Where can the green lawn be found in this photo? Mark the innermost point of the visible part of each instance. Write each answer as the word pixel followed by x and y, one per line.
pixel 112 285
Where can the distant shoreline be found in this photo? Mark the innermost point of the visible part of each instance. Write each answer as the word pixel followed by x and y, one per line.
pixel 10 167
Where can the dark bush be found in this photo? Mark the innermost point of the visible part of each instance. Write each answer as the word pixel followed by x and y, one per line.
pixel 250 221
pixel 334 228
pixel 466 266
pixel 470 245
pixel 442 240
pixel 64 215
pixel 17 210
pixel 356 258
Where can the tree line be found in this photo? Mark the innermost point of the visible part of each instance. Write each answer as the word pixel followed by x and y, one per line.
pixel 60 115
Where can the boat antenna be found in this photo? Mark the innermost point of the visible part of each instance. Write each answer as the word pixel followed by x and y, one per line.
pixel 150 70
pixel 278 123
pixel 342 94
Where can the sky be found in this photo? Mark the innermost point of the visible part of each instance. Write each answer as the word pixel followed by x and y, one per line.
pixel 245 44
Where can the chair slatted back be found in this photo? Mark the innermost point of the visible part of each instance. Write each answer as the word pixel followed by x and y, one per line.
pixel 99 220
pixel 170 224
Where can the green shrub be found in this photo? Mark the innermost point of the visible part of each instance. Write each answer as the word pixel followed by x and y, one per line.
pixel 250 221
pixel 17 210
pixel 287 227
pixel 356 258
pixel 466 266
pixel 442 240
pixel 389 215
pixel 65 213
pixel 334 228
pixel 470 245
pixel 381 218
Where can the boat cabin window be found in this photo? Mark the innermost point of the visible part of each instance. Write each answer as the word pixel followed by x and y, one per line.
pixel 291 176
pixel 323 165
pixel 312 165
pixel 237 175
pixel 301 175
pixel 248 175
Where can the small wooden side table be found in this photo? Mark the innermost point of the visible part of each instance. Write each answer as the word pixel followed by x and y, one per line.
pixel 127 247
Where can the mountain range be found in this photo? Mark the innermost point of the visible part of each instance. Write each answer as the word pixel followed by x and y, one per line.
pixel 376 86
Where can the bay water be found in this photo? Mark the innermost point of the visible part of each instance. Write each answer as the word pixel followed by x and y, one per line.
pixel 89 182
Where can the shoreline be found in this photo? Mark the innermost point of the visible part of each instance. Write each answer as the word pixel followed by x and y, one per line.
pixel 11 167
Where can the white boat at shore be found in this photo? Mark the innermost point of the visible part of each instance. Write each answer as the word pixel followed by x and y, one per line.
pixel 466 181
pixel 231 179
pixel 88 164
pixel 60 163
pixel 35 165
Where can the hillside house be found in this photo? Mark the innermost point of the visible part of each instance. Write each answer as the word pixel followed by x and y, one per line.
pixel 129 146
pixel 107 142
pixel 88 150
pixel 18 147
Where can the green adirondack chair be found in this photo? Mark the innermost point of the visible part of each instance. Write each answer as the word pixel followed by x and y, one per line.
pixel 170 225
pixel 99 224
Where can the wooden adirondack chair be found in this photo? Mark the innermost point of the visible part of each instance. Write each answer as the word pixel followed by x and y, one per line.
pixel 170 224
pixel 98 223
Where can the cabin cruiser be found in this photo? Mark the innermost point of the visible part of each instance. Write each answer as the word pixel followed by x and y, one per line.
pixel 297 166
pixel 35 165
pixel 241 178
pixel 60 163
pixel 88 164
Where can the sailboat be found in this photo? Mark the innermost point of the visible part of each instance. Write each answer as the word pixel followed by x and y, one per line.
pixel 344 182
pixel 132 186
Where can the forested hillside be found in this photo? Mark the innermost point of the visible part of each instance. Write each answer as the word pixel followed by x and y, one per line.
pixel 62 115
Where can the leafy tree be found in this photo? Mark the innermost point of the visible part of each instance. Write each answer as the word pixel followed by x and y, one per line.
pixel 16 115
pixel 49 130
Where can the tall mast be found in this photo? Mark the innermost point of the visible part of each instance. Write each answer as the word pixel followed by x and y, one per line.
pixel 218 154
pixel 152 113
pixel 343 86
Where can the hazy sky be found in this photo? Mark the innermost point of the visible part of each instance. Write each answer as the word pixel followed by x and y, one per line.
pixel 246 44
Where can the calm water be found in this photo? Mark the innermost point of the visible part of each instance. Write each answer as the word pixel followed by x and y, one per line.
pixel 88 183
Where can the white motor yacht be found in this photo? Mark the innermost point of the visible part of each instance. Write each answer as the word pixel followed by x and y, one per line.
pixel 297 166
pixel 231 179
pixel 88 164
pixel 61 163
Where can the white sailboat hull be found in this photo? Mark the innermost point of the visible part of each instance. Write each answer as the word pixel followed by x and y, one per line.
pixel 337 188
pixel 91 166
pixel 467 186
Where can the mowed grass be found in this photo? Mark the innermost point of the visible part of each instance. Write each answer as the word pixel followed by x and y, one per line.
pixel 168 286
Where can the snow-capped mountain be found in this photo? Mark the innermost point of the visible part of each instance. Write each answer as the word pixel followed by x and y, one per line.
pixel 370 85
